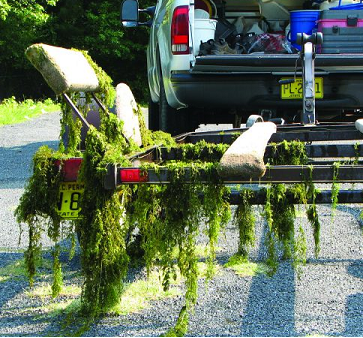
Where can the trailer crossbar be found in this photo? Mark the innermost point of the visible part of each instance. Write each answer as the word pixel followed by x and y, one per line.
pixel 345 132
pixel 258 197
pixel 347 151
pixel 287 174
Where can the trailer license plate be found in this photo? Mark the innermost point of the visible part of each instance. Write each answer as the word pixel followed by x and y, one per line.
pixel 295 90
pixel 69 197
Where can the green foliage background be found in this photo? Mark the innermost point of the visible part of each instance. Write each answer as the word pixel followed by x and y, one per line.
pixel 89 25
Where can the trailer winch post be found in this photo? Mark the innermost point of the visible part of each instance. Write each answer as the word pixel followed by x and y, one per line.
pixel 308 44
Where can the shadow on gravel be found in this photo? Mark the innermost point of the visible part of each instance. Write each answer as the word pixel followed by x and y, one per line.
pixel 7 258
pixel 270 309
pixel 353 210
pixel 24 315
pixel 353 316
pixel 16 163
pixel 271 305
pixel 9 288
pixel 354 305
pixel 21 315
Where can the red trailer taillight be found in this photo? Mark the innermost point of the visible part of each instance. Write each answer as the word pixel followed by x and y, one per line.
pixel 69 168
pixel 180 31
pixel 133 175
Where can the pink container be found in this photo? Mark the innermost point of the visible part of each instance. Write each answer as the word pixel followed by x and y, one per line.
pixel 330 23
pixel 342 30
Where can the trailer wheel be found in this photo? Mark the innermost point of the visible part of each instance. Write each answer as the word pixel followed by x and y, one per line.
pixel 252 119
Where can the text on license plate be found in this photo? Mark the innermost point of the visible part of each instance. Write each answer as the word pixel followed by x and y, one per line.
pixel 295 90
pixel 68 199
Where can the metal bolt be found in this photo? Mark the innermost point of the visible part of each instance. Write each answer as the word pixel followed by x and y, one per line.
pixel 309 105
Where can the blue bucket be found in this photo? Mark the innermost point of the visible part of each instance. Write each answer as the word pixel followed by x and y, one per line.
pixel 304 21
pixel 350 6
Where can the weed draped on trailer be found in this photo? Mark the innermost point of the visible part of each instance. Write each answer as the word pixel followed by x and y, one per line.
pixel 166 217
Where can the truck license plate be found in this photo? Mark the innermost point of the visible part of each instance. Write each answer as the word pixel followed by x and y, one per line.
pixel 69 197
pixel 295 90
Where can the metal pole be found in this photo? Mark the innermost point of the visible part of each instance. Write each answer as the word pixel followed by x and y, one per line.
pixel 308 43
pixel 308 116
pixel 100 104
pixel 75 109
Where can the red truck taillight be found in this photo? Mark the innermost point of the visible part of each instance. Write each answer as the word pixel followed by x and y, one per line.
pixel 180 31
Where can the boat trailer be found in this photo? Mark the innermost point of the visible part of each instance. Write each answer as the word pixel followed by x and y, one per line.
pixel 325 143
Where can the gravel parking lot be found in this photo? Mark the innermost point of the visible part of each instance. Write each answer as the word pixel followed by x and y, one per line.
pixel 326 298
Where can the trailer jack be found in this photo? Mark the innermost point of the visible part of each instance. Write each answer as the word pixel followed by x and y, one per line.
pixel 308 45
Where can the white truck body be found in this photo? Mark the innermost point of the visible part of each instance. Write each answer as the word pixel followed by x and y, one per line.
pixel 188 89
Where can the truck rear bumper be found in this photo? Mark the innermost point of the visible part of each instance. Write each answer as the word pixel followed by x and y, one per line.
pixel 251 91
pixel 251 81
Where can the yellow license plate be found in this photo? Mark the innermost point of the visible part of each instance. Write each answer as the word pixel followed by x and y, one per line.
pixel 295 90
pixel 69 197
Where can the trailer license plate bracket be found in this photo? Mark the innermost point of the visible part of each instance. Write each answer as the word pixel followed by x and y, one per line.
pixel 68 199
pixel 295 90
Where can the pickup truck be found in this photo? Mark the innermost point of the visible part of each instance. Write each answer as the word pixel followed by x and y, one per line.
pixel 219 61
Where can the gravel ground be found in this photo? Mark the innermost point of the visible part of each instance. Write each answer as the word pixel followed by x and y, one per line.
pixel 18 143
pixel 326 298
